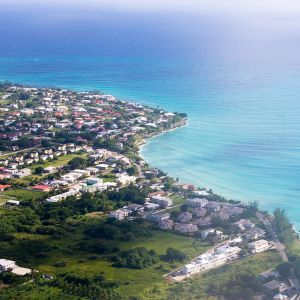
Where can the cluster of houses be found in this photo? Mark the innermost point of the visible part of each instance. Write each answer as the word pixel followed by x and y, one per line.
pixel 155 202
pixel 41 115
pixel 43 112
pixel 277 288
pixel 16 166
pixel 200 215
pixel 223 253
pixel 86 181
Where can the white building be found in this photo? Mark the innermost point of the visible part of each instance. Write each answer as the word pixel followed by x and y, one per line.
pixel 259 246
pixel 6 265
pixel 124 179
pixel 162 201
pixel 211 231
pixel 204 263
pixel 228 251
pixel 93 184
pixel 197 202
pixel 186 228
pixel 120 214
pixel 22 173
pixel 75 191
pixel 12 203
pixel 94 180
pixel 201 193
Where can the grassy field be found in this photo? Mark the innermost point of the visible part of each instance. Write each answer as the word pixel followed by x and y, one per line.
pixel 145 283
pixel 177 200
pixel 61 161
pixel 24 195
pixel 4 198
pixel 132 281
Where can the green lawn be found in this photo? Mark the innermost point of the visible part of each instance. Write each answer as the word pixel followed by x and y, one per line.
pixel 61 161
pixel 177 200
pixel 146 283
pixel 132 282
pixel 4 198
pixel 24 195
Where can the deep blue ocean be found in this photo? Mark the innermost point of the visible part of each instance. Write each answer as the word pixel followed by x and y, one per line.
pixel 237 78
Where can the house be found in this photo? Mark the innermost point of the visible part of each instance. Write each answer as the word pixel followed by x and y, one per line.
pixel 23 173
pixel 48 151
pixel 134 207
pixel 94 180
pixel 221 215
pixel 29 161
pixel 204 262
pixel 166 224
pixel 120 214
pixel 201 193
pixel 124 179
pixel 280 297
pixel 157 217
pixel 75 191
pixel 243 224
pixel 42 188
pixel 228 250
pixel 213 206
pixel 44 157
pixel 82 173
pixel 259 246
pixel 206 221
pixel 21 271
pixel 102 167
pixel 186 228
pixel 276 286
pixel 197 202
pixel 6 265
pixel 199 212
pixel 92 170
pixel 184 217
pixel 253 234
pixel 49 170
pixel 162 201
pixel 4 187
pixel 211 232
pixel 92 188
pixel 34 154
pixel 12 203
pixel 151 206
pixel 269 274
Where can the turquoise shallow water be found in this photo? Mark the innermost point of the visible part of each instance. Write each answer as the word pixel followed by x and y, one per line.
pixel 238 81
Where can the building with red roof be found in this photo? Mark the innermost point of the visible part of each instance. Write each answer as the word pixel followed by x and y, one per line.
pixel 42 188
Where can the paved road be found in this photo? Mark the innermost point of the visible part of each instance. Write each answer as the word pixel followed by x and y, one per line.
pixel 270 229
pixel 279 246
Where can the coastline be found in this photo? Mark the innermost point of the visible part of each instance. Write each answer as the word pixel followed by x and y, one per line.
pixel 147 140
pixel 148 137
pixel 111 149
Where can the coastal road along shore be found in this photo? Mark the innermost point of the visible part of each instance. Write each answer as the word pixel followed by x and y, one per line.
pixel 279 246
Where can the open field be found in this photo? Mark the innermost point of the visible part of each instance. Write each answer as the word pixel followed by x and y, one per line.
pixel 132 281
pixel 61 161
pixel 145 283
pixel 178 199
pixel 24 195
pixel 4 198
